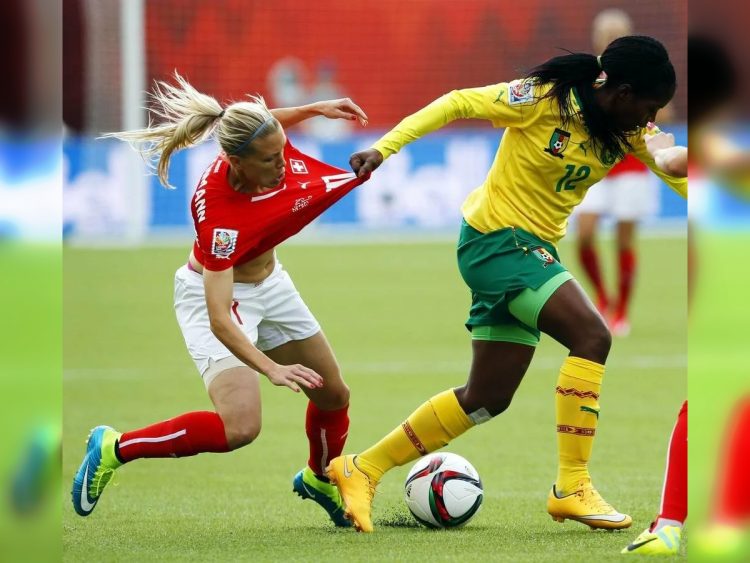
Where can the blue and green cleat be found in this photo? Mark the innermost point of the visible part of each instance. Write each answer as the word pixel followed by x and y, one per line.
pixel 96 470
pixel 308 485
pixel 35 475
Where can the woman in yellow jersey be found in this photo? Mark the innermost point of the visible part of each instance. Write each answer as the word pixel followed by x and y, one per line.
pixel 566 124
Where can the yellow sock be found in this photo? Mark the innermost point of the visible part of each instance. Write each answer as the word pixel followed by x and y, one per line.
pixel 427 429
pixel 577 413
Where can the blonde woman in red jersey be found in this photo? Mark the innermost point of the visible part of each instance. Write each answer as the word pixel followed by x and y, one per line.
pixel 238 310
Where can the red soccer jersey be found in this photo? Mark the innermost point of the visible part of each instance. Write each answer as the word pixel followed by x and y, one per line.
pixel 233 228
pixel 627 164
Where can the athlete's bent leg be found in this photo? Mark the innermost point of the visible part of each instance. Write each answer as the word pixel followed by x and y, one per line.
pixel 497 369
pixel 571 319
pixel 236 395
pixel 664 535
pixel 326 420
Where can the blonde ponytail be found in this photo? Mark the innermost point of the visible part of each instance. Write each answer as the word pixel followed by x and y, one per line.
pixel 188 117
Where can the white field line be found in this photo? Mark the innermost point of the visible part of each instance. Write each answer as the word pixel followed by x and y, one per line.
pixel 348 235
pixel 677 361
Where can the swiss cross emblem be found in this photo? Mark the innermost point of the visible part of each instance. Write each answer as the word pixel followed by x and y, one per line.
pixel 298 166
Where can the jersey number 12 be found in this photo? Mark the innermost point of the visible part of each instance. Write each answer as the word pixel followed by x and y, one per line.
pixel 572 176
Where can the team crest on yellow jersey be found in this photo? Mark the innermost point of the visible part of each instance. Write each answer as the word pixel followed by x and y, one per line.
pixel 544 256
pixel 607 157
pixel 558 142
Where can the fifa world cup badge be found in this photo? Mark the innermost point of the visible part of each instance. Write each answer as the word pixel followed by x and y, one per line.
pixel 520 92
pixel 224 242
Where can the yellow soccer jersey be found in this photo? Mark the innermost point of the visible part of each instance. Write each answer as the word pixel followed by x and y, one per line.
pixel 541 170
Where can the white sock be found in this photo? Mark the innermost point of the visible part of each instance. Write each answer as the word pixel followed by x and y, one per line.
pixel 661 522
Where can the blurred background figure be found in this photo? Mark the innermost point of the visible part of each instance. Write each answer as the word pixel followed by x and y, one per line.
pixel 730 511
pixel 719 172
pixel 325 87
pixel 37 470
pixel 30 290
pixel 628 194
pixel 290 85
pixel 286 82
pixel 414 50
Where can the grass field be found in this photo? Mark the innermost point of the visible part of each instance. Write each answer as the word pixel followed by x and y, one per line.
pixel 30 387
pixel 394 314
pixel 719 357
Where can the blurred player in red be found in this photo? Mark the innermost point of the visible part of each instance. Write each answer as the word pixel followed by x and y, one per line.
pixel 627 194
pixel 712 99
pixel 732 506
pixel 709 100
pixel 238 309
pixel 664 534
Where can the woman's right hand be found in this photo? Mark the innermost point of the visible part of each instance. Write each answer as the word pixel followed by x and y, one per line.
pixel 365 162
pixel 658 141
pixel 293 376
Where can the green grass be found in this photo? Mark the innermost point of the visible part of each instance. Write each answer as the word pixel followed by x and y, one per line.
pixel 394 315
pixel 718 357
pixel 30 386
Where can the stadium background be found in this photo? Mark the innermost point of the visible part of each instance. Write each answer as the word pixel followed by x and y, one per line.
pixel 125 363
pixel 403 56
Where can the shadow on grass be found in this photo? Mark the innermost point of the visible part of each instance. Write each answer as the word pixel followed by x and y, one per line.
pixel 403 519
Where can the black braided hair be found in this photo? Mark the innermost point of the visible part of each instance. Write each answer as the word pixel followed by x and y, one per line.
pixel 637 60
pixel 713 77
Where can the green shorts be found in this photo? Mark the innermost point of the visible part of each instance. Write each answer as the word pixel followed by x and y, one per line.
pixel 511 274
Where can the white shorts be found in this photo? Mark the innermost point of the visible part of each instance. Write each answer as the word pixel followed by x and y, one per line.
pixel 270 313
pixel 629 196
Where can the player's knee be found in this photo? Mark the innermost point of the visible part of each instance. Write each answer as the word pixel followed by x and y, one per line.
pixel 334 397
pixel 498 404
pixel 594 342
pixel 340 397
pixel 602 340
pixel 480 406
pixel 242 433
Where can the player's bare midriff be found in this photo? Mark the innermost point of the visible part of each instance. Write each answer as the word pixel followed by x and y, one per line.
pixel 254 271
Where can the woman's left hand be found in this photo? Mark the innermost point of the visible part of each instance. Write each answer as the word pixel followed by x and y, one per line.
pixel 344 108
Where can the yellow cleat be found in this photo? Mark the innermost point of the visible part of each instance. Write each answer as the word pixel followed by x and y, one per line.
pixel 356 488
pixel 666 541
pixel 587 506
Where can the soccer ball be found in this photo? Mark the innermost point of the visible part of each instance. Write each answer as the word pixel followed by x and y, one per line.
pixel 443 490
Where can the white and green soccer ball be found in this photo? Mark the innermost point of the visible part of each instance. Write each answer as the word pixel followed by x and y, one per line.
pixel 443 490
